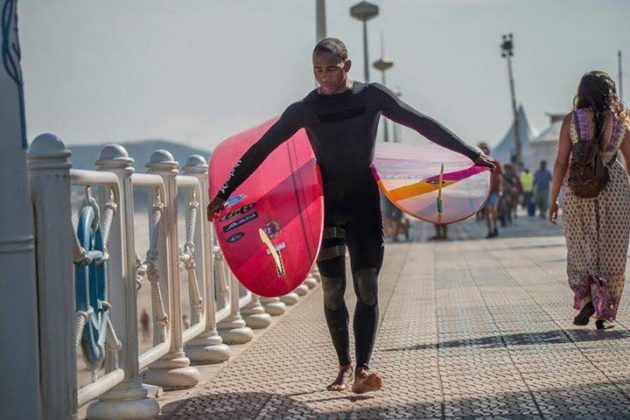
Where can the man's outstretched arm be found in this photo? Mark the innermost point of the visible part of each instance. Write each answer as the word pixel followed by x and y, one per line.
pixel 398 111
pixel 290 121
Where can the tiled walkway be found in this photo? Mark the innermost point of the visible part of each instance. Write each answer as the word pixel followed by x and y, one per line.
pixel 469 328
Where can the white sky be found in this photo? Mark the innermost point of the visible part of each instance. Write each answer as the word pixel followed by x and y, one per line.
pixel 197 71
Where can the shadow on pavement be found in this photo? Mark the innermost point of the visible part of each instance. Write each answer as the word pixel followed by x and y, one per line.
pixel 593 401
pixel 522 339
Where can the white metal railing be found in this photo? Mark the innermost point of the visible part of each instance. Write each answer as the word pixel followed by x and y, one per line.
pixel 215 297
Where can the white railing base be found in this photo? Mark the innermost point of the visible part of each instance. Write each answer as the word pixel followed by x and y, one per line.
pixel 310 281
pixel 233 330
pixel 258 321
pixel 208 349
pixel 255 316
pixel 153 391
pixel 290 299
pixel 273 306
pixel 173 371
pixel 301 290
pixel 127 400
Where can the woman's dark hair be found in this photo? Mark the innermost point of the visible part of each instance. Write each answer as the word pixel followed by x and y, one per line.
pixel 334 46
pixel 597 92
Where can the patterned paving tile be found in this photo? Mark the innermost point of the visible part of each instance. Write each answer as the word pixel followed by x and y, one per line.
pixel 469 329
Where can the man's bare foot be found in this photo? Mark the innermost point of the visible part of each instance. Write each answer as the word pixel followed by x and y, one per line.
pixel 342 377
pixel 364 381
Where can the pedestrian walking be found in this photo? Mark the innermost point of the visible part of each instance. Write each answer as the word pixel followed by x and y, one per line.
pixel 527 186
pixel 597 228
pixel 542 178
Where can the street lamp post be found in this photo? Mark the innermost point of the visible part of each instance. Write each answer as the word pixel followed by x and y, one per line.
pixel 383 64
pixel 507 52
pixel 320 20
pixel 396 127
pixel 364 11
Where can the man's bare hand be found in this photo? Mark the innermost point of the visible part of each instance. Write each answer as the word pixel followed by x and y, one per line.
pixel 215 207
pixel 485 160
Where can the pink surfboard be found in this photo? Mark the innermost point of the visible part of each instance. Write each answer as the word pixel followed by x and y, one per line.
pixel 429 182
pixel 272 230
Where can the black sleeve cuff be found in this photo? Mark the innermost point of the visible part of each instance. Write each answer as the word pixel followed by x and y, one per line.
pixel 223 196
pixel 474 155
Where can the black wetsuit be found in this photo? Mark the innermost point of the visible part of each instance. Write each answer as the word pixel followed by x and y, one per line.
pixel 342 131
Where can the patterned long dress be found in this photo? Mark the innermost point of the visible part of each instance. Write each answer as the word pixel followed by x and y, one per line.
pixel 597 229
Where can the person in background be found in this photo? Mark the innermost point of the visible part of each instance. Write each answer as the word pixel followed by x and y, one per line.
pixel 512 190
pixel 393 220
pixel 527 189
pixel 145 322
pixel 597 229
pixel 514 182
pixel 491 209
pixel 542 179
pixel 441 233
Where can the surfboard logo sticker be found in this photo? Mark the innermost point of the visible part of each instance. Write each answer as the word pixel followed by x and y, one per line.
pixel 273 250
pixel 232 201
pixel 237 212
pixel 278 247
pixel 237 236
pixel 240 222
pixel 272 228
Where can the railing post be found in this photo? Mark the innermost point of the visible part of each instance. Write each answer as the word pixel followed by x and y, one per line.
pixel 208 347
pixel 290 298
pixel 49 171
pixel 233 328
pixel 172 371
pixel 273 306
pixel 255 315
pixel 310 281
pixel 127 399
pixel 302 289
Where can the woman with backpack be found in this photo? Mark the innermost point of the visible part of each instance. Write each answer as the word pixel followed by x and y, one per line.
pixel 596 209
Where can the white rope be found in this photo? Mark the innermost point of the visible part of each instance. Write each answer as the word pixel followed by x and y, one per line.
pixel 79 254
pixel 152 273
pixel 108 217
pixel 153 276
pixel 113 342
pixel 80 319
pixel 189 265
pixel 156 216
pixel 141 272
pixel 193 208
pixel 186 256
pixel 223 283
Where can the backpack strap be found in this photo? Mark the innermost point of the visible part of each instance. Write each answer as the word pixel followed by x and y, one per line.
pixel 576 126
pixel 582 127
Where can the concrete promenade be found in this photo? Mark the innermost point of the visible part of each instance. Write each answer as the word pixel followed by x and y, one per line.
pixel 469 328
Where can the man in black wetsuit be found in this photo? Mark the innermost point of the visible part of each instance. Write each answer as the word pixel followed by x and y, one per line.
pixel 341 119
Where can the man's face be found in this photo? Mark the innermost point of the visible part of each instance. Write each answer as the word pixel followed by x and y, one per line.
pixel 330 72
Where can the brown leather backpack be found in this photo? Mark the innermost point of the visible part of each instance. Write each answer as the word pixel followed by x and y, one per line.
pixel 588 175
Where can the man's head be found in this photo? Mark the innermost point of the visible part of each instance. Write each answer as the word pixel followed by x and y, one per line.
pixel 543 165
pixel 331 65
